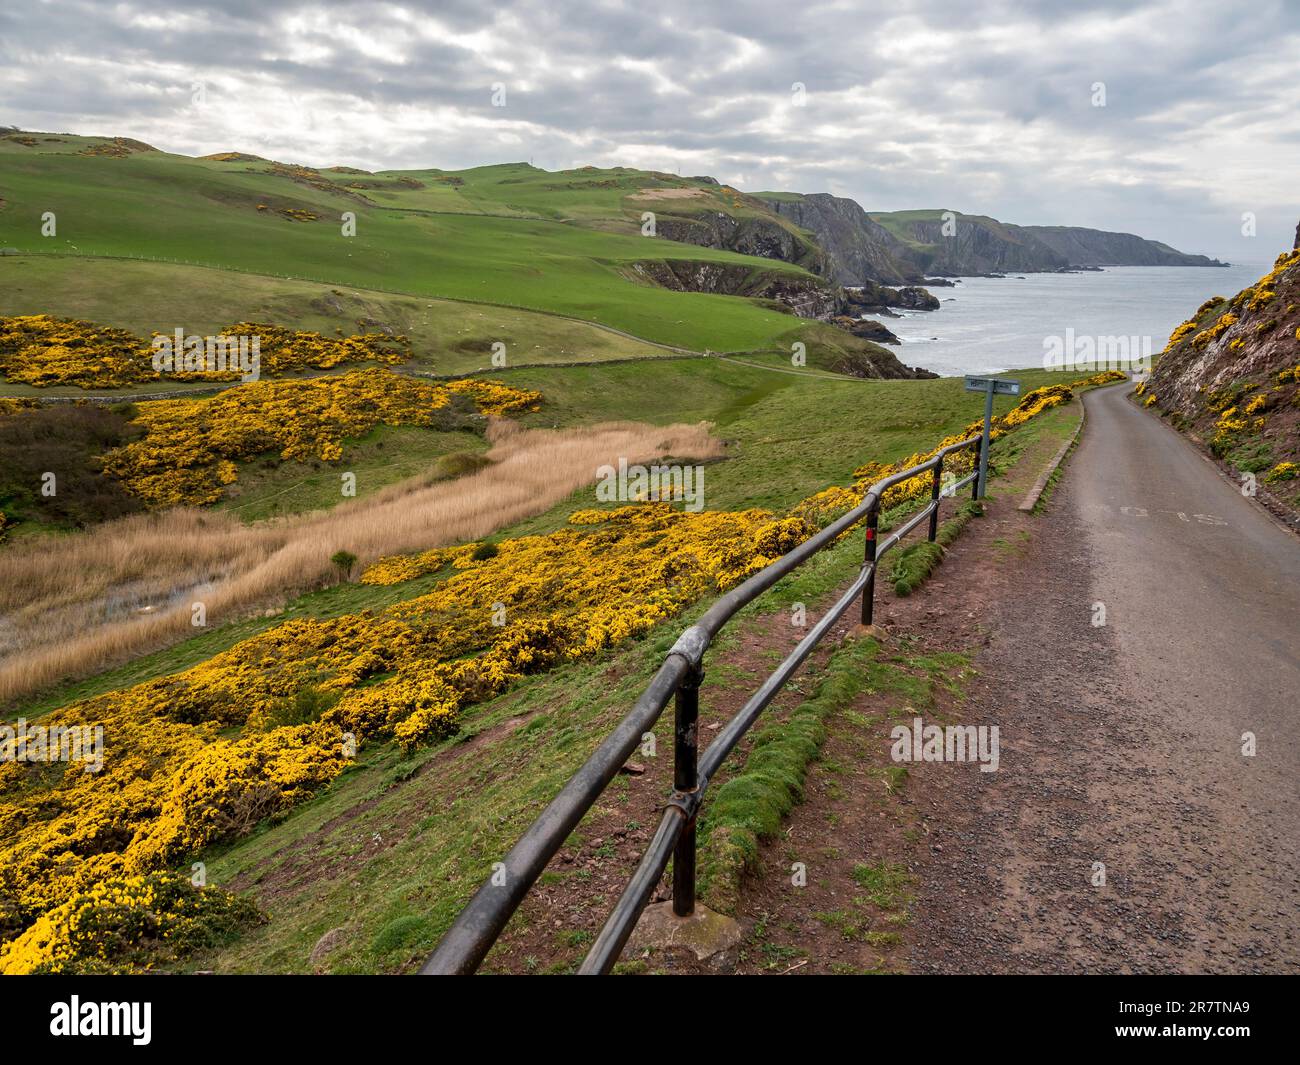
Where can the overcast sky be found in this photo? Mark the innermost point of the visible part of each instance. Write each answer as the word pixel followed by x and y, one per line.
pixel 985 107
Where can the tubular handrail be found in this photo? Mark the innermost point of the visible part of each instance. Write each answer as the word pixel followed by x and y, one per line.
pixel 478 925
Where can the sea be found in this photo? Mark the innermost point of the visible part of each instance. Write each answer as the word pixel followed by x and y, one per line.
pixel 988 324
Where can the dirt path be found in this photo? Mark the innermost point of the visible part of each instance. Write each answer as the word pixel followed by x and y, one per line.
pixel 1122 743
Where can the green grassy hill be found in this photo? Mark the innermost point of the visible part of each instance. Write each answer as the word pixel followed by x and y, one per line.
pixel 511 235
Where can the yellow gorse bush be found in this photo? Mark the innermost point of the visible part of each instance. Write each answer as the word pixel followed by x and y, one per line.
pixel 10 406
pixel 1221 326
pixel 1253 299
pixel 1260 402
pixel 123 924
pixel 283 349
pixel 42 350
pixel 190 446
pixel 1181 333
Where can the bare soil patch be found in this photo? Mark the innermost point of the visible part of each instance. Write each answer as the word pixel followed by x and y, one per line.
pixel 669 194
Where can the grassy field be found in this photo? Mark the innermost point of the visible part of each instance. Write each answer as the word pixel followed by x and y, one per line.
pixel 156 205
pixel 384 456
pixel 447 336
pixel 789 435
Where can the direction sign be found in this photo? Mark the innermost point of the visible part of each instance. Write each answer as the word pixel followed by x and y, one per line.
pixel 989 386
pixel 1001 385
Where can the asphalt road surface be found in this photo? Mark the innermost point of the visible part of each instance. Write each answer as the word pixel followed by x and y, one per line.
pixel 1147 643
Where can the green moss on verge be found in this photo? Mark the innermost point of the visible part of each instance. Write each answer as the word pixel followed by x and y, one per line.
pixel 750 806
pixel 914 564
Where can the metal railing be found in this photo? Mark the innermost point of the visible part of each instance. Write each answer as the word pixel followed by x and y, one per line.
pixel 478 925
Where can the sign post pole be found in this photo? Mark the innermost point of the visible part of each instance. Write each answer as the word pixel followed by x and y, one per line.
pixel 988 385
pixel 984 442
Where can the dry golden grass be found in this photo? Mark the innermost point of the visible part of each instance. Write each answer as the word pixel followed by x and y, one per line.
pixel 72 607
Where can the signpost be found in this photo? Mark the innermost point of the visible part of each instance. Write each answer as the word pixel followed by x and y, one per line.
pixel 989 386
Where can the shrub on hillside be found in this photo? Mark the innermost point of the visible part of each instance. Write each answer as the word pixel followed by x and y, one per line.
pixel 65 441
pixel 129 924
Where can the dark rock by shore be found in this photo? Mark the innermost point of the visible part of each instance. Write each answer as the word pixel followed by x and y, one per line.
pixel 878 299
pixel 866 328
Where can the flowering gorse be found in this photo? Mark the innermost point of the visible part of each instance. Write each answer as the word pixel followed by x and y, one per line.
pixel 190 446
pixel 42 350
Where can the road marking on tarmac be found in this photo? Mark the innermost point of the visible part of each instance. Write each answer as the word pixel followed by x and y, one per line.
pixel 1198 519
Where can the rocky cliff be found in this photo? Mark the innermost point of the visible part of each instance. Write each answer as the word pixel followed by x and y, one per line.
pixel 758 235
pixel 858 249
pixel 952 244
pixel 839 343
pixel 803 295
pixel 1230 375
pixel 834 238
pixel 1094 247
pixel 970 244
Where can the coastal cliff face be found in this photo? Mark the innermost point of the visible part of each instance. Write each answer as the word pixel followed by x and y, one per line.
pixel 976 245
pixel 840 344
pixel 898 247
pixel 1093 247
pixel 1230 376
pixel 858 264
pixel 764 237
pixel 858 249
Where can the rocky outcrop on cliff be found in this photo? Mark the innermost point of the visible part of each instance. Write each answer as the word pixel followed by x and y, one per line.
pixel 803 295
pixel 1230 374
pixel 858 249
pixel 842 344
pixel 1094 247
pixel 756 235
pixel 833 237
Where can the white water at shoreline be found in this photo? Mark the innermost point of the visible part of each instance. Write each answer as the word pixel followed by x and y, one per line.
pixel 989 324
